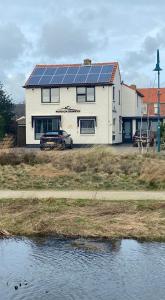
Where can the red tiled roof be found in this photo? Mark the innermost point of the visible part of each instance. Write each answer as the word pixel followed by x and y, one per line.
pixel 150 97
pixel 75 65
pixel 115 66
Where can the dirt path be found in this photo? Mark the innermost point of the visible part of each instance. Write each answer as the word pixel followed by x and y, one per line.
pixel 98 195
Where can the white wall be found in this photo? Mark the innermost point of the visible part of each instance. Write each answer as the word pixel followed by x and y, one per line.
pixel 118 107
pixel 131 102
pixel 101 109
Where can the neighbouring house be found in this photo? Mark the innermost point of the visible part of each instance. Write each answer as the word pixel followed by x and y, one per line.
pixel 20 121
pixel 87 100
pixel 21 132
pixel 150 107
pixel 19 110
pixel 131 111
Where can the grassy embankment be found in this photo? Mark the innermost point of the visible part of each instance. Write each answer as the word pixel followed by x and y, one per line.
pixel 143 220
pixel 86 169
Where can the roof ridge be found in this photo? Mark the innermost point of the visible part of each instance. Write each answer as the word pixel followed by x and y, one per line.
pixel 76 65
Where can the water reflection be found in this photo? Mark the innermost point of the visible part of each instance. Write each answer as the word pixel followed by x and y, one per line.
pixel 58 269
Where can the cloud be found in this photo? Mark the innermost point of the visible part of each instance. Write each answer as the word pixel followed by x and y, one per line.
pixel 48 31
pixel 146 53
pixel 64 38
pixel 13 44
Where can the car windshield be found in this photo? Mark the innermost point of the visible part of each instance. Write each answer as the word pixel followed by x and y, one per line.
pixel 54 133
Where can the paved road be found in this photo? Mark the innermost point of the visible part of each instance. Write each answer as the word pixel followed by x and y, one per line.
pixel 91 195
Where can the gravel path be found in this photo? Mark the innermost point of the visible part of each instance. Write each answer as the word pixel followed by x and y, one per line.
pixel 99 195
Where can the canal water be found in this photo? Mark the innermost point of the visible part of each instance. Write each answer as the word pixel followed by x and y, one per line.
pixel 50 268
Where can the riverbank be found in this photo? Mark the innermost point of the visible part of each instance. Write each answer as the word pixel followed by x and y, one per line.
pixel 143 220
pixel 97 168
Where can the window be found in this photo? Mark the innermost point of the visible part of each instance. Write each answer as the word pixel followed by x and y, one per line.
pixel 45 95
pixel 113 93
pixel 87 126
pixel 137 100
pixel 50 95
pixel 155 108
pixel 119 98
pixel 55 95
pixel 44 125
pixel 85 94
pixel 144 109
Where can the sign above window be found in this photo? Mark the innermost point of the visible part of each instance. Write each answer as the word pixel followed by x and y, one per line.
pixel 67 109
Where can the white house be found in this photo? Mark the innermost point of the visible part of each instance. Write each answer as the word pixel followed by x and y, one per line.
pixel 83 99
pixel 87 100
pixel 132 111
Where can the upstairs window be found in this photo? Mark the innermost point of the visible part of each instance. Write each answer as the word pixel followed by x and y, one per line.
pixel 55 95
pixel 45 95
pixel 155 108
pixel 50 95
pixel 85 94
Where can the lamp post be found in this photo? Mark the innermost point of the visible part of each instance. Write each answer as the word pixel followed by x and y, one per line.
pixel 158 69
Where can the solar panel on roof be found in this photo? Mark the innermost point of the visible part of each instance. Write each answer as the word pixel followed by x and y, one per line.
pixel 92 78
pixel 38 71
pixel 45 80
pixel 33 80
pixel 104 78
pixel 84 70
pixel 61 71
pixel 68 79
pixel 95 69
pixel 57 79
pixel 67 75
pixel 107 69
pixel 72 70
pixel 80 79
pixel 50 71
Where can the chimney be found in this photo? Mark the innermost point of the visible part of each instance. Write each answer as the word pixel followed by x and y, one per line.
pixel 87 62
pixel 133 86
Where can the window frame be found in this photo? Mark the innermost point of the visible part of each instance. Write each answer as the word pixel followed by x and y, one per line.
pixel 156 108
pixel 46 120
pixel 85 94
pixel 87 118
pixel 50 95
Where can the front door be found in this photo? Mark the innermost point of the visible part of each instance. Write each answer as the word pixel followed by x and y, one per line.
pixel 127 131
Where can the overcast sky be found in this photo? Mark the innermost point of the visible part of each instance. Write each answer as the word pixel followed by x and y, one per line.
pixel 67 31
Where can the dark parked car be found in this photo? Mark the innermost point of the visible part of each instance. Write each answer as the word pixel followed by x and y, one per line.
pixel 142 137
pixel 56 139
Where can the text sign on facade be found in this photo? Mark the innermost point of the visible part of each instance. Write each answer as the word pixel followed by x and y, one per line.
pixel 67 109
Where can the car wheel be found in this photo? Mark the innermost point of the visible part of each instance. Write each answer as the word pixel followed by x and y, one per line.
pixel 63 146
pixel 71 145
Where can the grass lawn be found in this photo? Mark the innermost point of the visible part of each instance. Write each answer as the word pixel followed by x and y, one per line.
pixel 143 220
pixel 98 168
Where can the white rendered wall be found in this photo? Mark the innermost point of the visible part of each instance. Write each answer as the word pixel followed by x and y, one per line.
pixel 101 109
pixel 131 102
pixel 118 107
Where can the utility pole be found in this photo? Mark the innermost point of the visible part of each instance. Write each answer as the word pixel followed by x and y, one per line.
pixel 158 69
